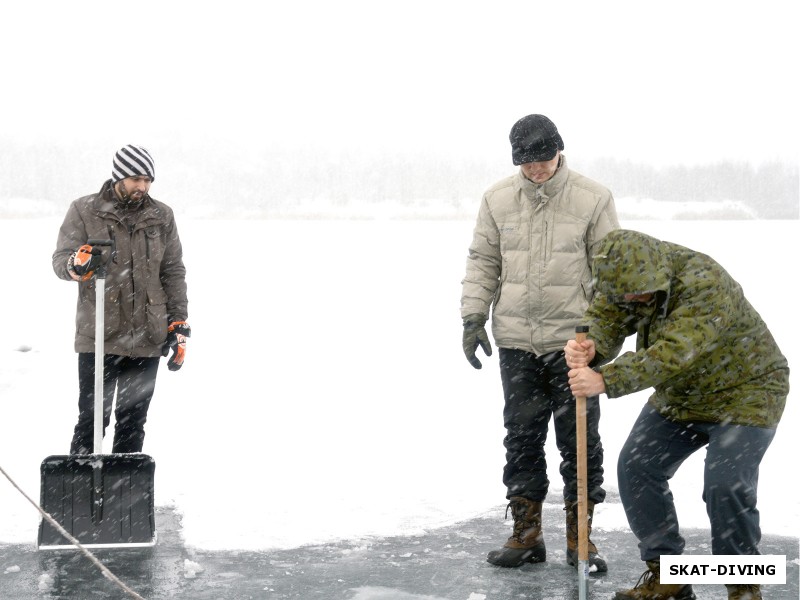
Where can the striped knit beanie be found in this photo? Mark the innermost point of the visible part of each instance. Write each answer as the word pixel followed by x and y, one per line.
pixel 132 161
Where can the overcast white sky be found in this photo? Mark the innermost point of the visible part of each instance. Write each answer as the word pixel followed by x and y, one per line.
pixel 682 81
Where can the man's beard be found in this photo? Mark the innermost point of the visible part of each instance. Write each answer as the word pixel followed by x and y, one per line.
pixel 127 198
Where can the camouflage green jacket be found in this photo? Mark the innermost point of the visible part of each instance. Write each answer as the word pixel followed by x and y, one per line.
pixel 700 344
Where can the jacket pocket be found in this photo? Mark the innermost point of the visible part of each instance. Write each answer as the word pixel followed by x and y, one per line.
pixel 87 313
pixel 156 309
pixel 154 243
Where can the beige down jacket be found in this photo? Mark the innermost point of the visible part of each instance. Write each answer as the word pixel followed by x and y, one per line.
pixel 145 286
pixel 530 257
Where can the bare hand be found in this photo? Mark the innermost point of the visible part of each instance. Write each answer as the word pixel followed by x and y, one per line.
pixel 580 354
pixel 585 382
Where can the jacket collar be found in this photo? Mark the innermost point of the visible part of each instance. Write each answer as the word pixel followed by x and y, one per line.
pixel 108 202
pixel 542 192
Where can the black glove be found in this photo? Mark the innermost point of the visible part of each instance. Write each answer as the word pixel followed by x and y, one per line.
pixel 83 262
pixel 176 339
pixel 474 336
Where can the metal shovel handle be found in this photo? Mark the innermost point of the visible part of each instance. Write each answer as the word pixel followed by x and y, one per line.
pixel 99 345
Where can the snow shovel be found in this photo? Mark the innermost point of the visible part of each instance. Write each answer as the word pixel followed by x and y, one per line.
pixel 102 500
pixel 583 503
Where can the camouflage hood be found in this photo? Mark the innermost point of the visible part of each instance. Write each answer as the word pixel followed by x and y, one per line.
pixel 629 262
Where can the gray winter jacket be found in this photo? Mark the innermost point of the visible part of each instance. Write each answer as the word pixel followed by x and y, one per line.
pixel 530 257
pixel 146 280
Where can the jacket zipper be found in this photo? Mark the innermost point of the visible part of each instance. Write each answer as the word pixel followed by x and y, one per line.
pixel 133 288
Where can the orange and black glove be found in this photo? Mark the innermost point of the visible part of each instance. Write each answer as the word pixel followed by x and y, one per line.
pixel 176 339
pixel 83 262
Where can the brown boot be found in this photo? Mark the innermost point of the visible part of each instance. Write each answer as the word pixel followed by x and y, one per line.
pixel 744 592
pixel 649 587
pixel 597 563
pixel 526 544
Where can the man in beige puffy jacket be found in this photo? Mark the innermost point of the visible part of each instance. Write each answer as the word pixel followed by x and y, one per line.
pixel 145 296
pixel 529 262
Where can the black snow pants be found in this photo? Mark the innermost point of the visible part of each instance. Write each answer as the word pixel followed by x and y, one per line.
pixel 134 380
pixel 535 388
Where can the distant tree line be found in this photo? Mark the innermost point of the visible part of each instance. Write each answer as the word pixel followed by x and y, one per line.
pixel 771 189
pixel 230 181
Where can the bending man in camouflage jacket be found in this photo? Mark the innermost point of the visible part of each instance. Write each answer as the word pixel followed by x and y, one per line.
pixel 720 381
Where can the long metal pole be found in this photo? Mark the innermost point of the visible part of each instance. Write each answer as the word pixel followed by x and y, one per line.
pixel 99 355
pixel 99 342
pixel 583 512
pixel 99 363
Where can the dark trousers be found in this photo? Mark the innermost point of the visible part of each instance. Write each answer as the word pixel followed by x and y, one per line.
pixel 535 389
pixel 655 449
pixel 134 380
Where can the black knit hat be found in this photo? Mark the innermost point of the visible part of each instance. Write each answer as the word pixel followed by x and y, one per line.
pixel 534 139
pixel 133 161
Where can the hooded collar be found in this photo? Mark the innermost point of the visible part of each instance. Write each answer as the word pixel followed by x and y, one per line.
pixel 630 262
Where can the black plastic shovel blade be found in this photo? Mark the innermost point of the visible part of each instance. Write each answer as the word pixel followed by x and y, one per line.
pixel 102 500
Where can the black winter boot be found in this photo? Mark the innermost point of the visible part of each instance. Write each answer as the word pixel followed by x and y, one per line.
pixel 597 563
pixel 649 587
pixel 526 544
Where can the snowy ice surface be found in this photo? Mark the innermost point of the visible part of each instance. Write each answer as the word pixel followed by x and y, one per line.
pixel 385 593
pixel 325 394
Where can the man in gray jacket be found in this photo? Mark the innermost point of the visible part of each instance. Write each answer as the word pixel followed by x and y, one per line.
pixel 529 262
pixel 145 296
